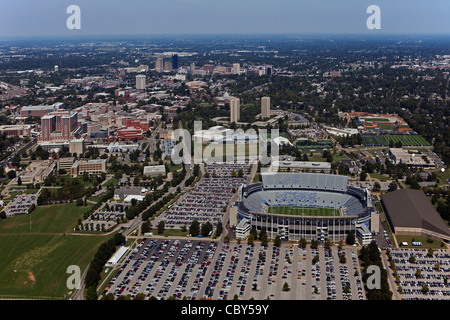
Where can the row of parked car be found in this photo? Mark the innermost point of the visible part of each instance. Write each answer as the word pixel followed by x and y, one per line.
pixel 434 273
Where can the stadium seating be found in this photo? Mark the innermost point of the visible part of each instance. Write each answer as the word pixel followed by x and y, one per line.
pixel 305 181
pixel 305 190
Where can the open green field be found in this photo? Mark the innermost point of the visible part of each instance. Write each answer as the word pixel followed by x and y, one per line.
pixel 306 211
pixel 425 244
pixel 58 218
pixel 33 262
pixel 383 140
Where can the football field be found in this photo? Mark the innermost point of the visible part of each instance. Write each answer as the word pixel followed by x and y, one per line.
pixel 305 211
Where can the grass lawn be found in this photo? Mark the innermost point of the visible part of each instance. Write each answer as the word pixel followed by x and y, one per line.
pixel 33 263
pixel 171 232
pixel 380 177
pixel 425 245
pixel 57 218
pixel 307 211
pixel 34 266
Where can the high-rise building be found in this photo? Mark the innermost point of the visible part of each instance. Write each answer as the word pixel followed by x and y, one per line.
pixel 234 109
pixel 236 68
pixel 59 125
pixel 140 82
pixel 265 107
pixel 159 66
pixel 168 66
pixel 48 124
pixel 175 62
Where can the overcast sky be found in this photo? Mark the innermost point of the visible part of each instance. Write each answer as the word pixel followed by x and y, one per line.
pixel 110 17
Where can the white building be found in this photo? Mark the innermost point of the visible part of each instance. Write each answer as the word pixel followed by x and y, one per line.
pixel 265 107
pixel 116 257
pixel 140 82
pixel 234 109
pixel 153 171
pixel 243 229
pixel 236 68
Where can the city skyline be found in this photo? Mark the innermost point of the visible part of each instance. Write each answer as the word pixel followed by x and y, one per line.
pixel 232 17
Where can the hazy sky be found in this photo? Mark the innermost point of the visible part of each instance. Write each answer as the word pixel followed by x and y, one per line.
pixel 101 17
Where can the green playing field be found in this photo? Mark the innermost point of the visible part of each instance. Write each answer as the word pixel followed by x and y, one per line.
pixel 306 211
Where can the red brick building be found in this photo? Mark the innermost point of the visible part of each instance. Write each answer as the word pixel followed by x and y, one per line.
pixel 138 123
pixel 130 133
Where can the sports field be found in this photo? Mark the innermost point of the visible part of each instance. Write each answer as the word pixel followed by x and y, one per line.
pixel 306 211
pixel 383 140
pixel 34 256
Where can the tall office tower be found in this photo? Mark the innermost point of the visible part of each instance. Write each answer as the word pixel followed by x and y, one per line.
pixel 175 62
pixel 168 66
pixel 236 68
pixel 48 125
pixel 159 67
pixel 234 109
pixel 269 70
pixel 192 66
pixel 140 82
pixel 265 107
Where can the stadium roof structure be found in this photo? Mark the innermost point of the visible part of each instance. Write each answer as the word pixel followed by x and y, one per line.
pixel 408 208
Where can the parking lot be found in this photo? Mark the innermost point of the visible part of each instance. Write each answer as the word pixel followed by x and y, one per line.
pixel 210 270
pixel 20 204
pixel 206 202
pixel 435 279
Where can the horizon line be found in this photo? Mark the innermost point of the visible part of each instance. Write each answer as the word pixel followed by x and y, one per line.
pixel 367 33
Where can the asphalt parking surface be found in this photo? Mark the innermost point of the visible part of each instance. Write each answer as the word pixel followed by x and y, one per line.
pixel 218 271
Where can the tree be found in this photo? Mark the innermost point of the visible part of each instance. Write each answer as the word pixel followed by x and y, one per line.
pixel 91 293
pixel 277 241
pixel 376 187
pixel 161 227
pixel 251 240
pixel 286 287
pixel 219 229
pixel 392 186
pixel 315 259
pixel 206 229
pixel 264 240
pixel 145 227
pixel 418 273
pixel 194 228
pixel 11 174
pixel 302 243
pixel 346 289
pixel 363 175
pixel 350 240
pixel 19 181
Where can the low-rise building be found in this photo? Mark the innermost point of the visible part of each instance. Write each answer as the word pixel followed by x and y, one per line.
pixel 243 229
pixel 19 130
pixel 65 163
pixel 154 171
pixel 96 166
pixel 123 193
pixel 398 155
pixel 301 166
pixel 38 171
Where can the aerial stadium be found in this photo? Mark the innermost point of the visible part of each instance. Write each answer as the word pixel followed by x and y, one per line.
pixel 306 205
